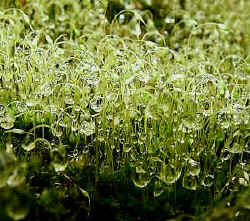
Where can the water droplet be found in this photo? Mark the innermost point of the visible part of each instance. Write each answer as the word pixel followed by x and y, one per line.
pixel 6 168
pixel 178 77
pixel 7 165
pixel 29 147
pixel 141 180
pixel 243 182
pixel 208 180
pixel 158 188
pixel 74 126
pixel 190 141
pixel 88 128
pixel 62 123
pixel 139 169
pixel 21 107
pixel 4 178
pixel 225 125
pixel 169 20
pixel 136 29
pixel 9 148
pixel 69 100
pixel 116 121
pixel 31 103
pixel 169 173
pixel 226 155
pixel 194 167
pixel 189 182
pixel 127 148
pixel 17 212
pixel 246 176
pixel 95 105
pixel 51 109
pixel 6 160
pixel 236 148
pixel 7 122
pixel 57 132
pixel 122 19
pixel 17 177
pixel 59 167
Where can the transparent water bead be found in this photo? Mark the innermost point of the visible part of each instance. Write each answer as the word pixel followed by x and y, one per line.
pixel 141 180
pixel 158 188
pixel 29 147
pixel 17 210
pixel 189 182
pixel 16 178
pixel 208 180
pixel 7 122
pixel 52 109
pixel 169 20
pixel 127 147
pixel 243 182
pixel 170 173
pixel 237 148
pixel 87 128
pixel 59 167
pixel 194 167
pixel 139 169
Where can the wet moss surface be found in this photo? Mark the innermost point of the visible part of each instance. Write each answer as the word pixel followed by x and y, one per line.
pixel 124 110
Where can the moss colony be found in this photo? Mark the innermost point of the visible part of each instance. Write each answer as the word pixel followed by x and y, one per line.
pixel 124 110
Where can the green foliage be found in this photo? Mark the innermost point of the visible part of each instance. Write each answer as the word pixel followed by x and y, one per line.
pixel 131 109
